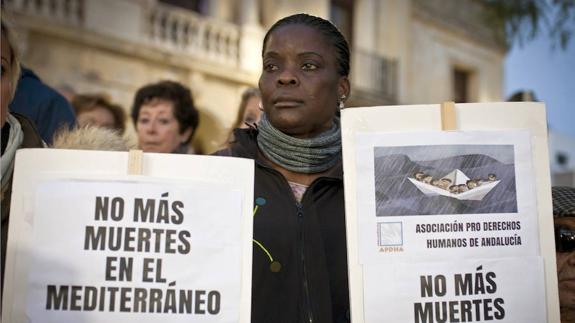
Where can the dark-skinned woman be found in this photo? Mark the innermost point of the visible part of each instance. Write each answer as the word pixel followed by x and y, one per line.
pixel 299 256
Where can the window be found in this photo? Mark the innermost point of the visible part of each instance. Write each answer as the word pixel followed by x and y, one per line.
pixel 341 14
pixel 199 6
pixel 461 85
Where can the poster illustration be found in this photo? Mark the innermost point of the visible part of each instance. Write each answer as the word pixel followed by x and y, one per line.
pixel 442 195
pixel 444 179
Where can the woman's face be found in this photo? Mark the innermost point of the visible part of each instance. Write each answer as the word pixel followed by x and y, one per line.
pixel 253 113
pixel 158 129
pixel 299 83
pixel 99 117
pixel 6 81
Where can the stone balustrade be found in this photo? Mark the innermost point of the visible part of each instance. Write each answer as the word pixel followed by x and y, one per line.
pixel 200 36
pixel 62 11
pixel 160 26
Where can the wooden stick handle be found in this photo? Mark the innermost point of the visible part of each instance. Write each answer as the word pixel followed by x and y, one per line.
pixel 135 158
pixel 448 116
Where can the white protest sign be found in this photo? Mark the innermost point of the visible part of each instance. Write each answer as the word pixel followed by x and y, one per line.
pixel 504 290
pixel 414 219
pixel 422 202
pixel 130 248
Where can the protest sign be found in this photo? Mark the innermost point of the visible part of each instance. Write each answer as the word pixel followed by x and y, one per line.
pixel 88 244
pixel 465 291
pixel 434 199
pixel 424 204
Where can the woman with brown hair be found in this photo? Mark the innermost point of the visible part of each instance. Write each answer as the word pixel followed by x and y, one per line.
pixel 97 110
pixel 165 117
pixel 250 111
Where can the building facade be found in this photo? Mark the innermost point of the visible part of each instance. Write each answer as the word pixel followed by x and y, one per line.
pixel 403 51
pixel 562 159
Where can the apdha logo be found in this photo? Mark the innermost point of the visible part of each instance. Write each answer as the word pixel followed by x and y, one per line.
pixel 390 236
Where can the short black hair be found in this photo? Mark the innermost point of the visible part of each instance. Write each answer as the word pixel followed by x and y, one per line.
pixel 326 28
pixel 181 97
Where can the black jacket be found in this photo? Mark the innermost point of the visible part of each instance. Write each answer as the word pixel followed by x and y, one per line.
pixel 299 256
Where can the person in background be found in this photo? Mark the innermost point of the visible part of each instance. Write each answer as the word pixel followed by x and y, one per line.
pixel 250 111
pixel 67 91
pixel 165 117
pixel 17 131
pixel 91 137
pixel 564 218
pixel 522 96
pixel 49 110
pixel 97 110
pixel 299 258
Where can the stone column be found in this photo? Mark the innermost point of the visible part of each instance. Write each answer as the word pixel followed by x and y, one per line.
pixel 363 44
pixel 393 40
pixel 222 10
pixel 364 29
pixel 251 37
pixel 249 12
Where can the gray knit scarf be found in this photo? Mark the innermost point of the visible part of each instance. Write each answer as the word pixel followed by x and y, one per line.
pixel 307 156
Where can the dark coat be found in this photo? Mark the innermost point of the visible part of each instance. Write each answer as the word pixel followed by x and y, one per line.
pixel 308 275
pixel 31 140
pixel 42 105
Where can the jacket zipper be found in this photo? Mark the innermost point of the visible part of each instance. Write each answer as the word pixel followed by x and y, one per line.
pixel 307 301
pixel 305 284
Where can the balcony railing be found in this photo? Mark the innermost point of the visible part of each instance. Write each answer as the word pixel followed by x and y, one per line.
pixel 375 75
pixel 61 11
pixel 164 28
pixel 186 31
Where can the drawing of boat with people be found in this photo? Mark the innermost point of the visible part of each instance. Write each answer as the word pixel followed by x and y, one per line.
pixel 455 185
